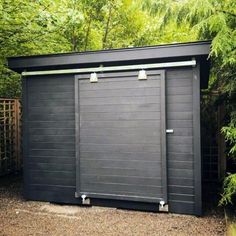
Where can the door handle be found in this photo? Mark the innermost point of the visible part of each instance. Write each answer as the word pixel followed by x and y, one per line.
pixel 169 131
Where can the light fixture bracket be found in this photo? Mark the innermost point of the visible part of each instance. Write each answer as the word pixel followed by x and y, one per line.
pixel 93 78
pixel 142 75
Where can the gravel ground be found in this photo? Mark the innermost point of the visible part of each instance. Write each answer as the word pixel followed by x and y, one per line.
pixel 20 217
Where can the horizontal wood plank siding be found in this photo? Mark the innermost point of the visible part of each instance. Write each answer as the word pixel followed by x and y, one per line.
pixel 120 148
pixel 120 136
pixel 51 136
pixel 180 143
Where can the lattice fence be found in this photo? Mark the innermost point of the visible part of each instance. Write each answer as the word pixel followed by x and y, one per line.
pixel 10 136
pixel 213 144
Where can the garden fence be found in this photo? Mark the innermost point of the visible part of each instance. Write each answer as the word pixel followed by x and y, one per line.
pixel 10 136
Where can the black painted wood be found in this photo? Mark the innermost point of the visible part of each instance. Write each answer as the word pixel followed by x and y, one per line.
pixel 197 142
pixel 180 144
pixel 110 132
pixel 163 137
pixel 49 131
pixel 25 129
pixel 72 60
pixel 130 133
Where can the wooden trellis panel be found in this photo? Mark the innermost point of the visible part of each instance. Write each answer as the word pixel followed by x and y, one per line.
pixel 10 136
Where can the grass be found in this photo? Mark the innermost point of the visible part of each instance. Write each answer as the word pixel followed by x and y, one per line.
pixel 230 223
pixel 231 229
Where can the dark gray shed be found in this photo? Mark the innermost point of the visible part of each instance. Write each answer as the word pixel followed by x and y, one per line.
pixel 115 127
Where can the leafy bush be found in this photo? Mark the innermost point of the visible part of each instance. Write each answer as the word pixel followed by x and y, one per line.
pixel 229 189
pixel 230 181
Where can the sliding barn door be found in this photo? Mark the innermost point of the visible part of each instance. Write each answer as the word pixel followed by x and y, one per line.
pixel 121 141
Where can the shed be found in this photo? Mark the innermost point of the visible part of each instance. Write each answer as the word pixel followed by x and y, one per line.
pixel 116 128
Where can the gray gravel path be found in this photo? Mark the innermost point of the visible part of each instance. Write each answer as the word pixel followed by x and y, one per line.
pixel 20 217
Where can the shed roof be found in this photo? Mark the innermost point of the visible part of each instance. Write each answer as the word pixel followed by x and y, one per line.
pixel 123 56
pixel 165 52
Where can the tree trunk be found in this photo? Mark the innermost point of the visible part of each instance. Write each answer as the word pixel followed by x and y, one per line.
pixel 104 41
pixel 73 42
pixel 87 33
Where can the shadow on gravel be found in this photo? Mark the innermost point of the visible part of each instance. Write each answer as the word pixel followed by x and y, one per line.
pixel 21 217
pixel 12 186
pixel 210 199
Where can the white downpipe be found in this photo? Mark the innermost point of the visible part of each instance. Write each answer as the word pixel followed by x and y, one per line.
pixel 112 68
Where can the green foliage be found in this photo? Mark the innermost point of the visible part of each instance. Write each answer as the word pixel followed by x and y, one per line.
pixel 209 20
pixel 230 134
pixel 212 20
pixel 216 20
pixel 45 26
pixel 10 85
pixel 229 189
pixel 230 181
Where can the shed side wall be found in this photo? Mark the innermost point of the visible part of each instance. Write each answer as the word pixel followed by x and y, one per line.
pixel 181 192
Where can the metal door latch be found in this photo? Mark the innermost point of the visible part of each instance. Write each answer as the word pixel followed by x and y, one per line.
pixel 169 131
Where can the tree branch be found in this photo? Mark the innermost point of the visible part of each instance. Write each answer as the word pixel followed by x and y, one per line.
pixel 227 12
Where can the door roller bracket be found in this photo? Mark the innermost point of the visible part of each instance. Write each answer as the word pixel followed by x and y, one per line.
pixel 85 199
pixel 142 75
pixel 163 206
pixel 93 78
